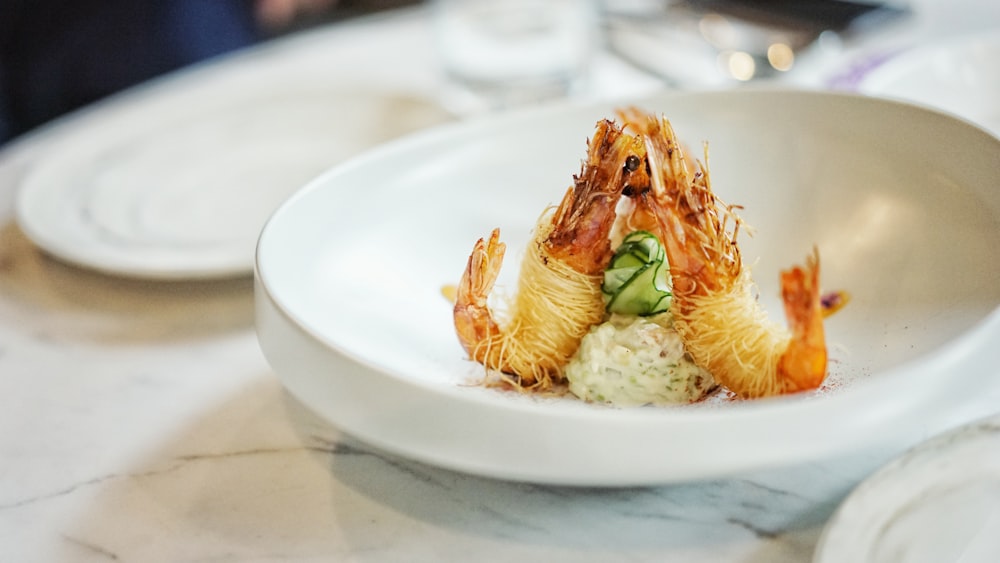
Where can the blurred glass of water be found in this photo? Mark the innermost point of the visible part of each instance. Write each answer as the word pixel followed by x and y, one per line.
pixel 498 54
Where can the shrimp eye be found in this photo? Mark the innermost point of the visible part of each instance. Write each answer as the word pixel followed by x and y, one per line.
pixel 632 163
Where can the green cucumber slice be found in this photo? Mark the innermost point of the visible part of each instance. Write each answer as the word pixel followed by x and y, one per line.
pixel 636 281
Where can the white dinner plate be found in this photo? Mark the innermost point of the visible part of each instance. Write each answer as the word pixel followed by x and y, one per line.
pixel 182 190
pixel 938 502
pixel 350 271
pixel 960 76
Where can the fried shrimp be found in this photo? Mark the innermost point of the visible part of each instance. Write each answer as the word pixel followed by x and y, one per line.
pixel 716 312
pixel 558 294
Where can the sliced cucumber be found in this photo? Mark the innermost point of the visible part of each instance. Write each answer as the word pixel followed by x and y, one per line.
pixel 636 281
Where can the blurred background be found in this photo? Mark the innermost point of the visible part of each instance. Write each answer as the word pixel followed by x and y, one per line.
pixel 59 55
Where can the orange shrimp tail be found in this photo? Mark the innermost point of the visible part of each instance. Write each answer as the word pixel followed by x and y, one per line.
pixel 474 322
pixel 802 367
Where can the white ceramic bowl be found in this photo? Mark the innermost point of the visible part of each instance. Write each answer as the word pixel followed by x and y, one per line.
pixel 903 204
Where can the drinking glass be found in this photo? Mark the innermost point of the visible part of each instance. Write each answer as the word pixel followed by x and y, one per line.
pixel 502 53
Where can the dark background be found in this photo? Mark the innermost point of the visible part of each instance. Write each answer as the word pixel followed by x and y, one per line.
pixel 59 55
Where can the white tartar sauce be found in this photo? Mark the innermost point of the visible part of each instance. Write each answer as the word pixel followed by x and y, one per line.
pixel 632 361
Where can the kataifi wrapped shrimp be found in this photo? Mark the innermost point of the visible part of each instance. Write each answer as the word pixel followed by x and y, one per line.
pixel 558 294
pixel 715 308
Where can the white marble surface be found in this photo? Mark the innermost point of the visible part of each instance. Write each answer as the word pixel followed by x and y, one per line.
pixel 140 421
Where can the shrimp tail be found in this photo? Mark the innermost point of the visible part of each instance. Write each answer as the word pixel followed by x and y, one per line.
pixel 474 321
pixel 803 365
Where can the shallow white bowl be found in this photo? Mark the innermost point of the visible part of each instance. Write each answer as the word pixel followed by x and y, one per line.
pixel 903 204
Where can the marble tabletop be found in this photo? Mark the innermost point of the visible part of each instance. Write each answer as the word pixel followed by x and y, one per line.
pixel 140 421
